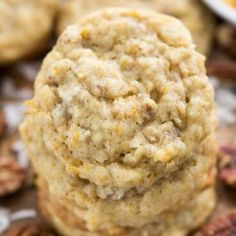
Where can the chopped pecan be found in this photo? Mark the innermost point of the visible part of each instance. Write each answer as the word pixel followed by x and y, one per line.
pixel 28 229
pixel 12 176
pixel 228 176
pixel 224 226
pixel 23 230
pixel 222 159
pixel 226 36
pixel 228 172
pixel 223 69
pixel 2 122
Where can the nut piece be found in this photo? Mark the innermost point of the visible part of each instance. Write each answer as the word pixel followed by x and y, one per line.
pixel 223 159
pixel 12 176
pixel 228 173
pixel 224 226
pixel 223 69
pixel 28 229
pixel 23 229
pixel 228 176
pixel 2 122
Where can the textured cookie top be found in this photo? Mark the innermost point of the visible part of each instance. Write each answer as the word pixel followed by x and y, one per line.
pixel 122 100
pixel 195 16
pixel 24 27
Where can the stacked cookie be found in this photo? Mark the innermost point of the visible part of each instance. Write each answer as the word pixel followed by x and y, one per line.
pixel 195 16
pixel 121 128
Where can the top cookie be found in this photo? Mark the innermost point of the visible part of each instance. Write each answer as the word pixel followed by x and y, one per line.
pixel 194 15
pixel 24 27
pixel 122 100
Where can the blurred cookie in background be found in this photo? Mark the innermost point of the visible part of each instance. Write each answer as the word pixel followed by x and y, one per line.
pixel 25 28
pixel 199 20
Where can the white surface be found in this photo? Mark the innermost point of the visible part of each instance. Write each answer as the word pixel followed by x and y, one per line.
pixel 22 157
pixel 14 113
pixel 9 90
pixel 4 220
pixel 6 217
pixel 23 214
pixel 223 10
pixel 226 102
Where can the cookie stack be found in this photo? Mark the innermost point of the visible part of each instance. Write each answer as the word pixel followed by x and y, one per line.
pixel 121 128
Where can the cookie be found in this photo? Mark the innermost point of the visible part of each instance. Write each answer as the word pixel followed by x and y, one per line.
pixel 78 200
pixel 25 26
pixel 123 122
pixel 171 224
pixel 197 18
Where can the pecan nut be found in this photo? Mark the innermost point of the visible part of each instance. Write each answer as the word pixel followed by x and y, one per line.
pixel 12 176
pixel 28 229
pixel 227 174
pixel 2 122
pixel 224 226
pixel 223 69
pixel 222 159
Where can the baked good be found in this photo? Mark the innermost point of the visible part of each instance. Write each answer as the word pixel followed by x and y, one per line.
pixel 198 19
pixel 25 26
pixel 123 123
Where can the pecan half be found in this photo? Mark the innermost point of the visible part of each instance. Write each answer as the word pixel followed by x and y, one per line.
pixel 223 69
pixel 227 173
pixel 2 122
pixel 222 159
pixel 28 229
pixel 12 176
pixel 224 226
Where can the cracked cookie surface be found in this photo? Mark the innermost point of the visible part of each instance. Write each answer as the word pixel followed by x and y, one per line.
pixel 123 118
pixel 195 16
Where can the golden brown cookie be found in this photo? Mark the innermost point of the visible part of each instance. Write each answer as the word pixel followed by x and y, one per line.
pixel 122 123
pixel 197 18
